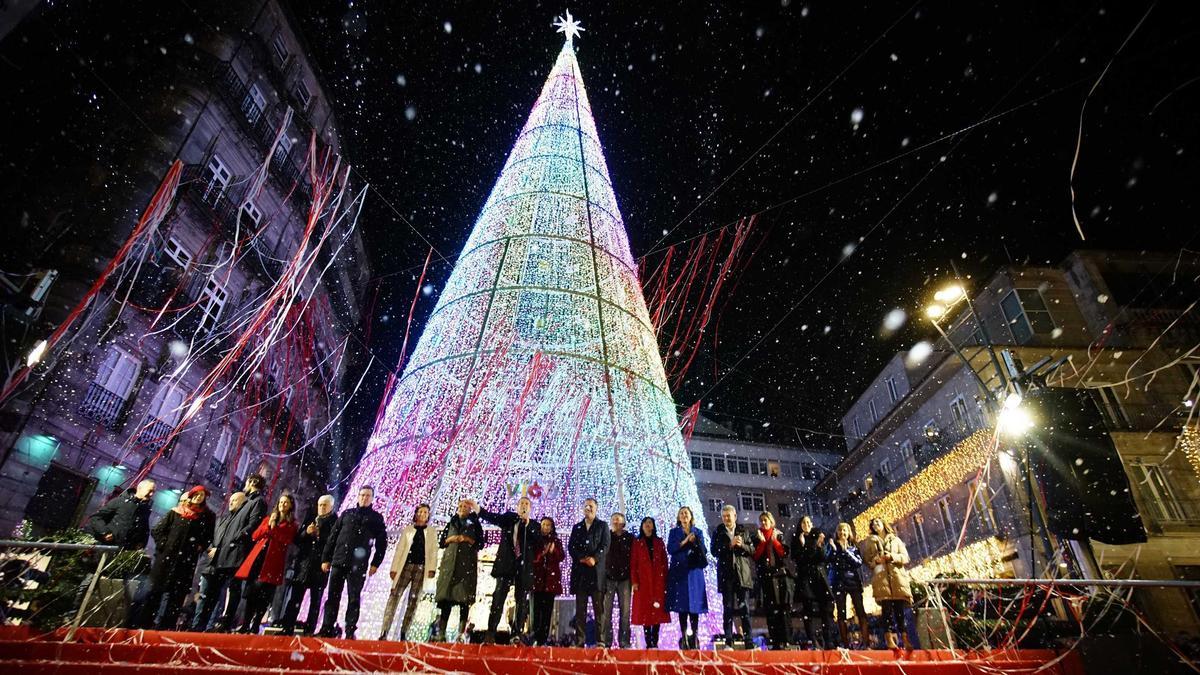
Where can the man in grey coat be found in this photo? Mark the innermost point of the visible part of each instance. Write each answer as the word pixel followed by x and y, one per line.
pixel 731 547
pixel 219 564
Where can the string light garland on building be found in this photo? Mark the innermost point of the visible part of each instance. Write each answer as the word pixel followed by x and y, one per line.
pixel 947 471
pixel 982 559
pixel 1189 443
pixel 538 372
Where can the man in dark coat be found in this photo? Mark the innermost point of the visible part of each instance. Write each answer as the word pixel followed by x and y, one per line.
pixel 242 527
pixel 218 566
pixel 731 547
pixel 514 564
pixel 617 584
pixel 587 545
pixel 125 520
pixel 345 558
pixel 307 575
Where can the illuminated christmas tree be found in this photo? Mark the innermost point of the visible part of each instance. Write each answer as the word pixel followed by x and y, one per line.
pixel 538 371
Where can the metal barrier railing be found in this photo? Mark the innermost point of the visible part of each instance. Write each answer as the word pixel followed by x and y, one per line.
pixel 103 549
pixel 1119 583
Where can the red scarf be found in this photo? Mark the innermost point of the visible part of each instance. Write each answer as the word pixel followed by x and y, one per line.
pixel 768 538
pixel 186 509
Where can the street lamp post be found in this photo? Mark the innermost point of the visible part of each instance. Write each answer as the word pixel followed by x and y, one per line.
pixel 1010 417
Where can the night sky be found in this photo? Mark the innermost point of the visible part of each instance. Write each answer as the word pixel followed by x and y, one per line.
pixel 879 143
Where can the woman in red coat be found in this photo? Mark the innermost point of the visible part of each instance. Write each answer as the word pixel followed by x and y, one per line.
pixel 264 567
pixel 547 579
pixel 648 572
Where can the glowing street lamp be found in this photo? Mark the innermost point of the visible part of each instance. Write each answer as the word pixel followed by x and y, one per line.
pixel 1014 419
pixel 35 355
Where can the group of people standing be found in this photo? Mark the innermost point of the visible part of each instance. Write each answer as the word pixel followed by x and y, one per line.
pixel 246 555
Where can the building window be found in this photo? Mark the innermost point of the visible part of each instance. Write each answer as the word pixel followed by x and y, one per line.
pixel 785 510
pixel 254 104
pixel 918 524
pixel 165 411
pixel 811 472
pixel 981 503
pixel 858 434
pixel 216 180
pixel 280 50
pixel 893 389
pixel 217 465
pixel 108 393
pixel 177 253
pixel 753 502
pixel 303 95
pixel 718 463
pixel 874 411
pixel 1158 492
pixel 1026 313
pixel 251 215
pixel 960 412
pixel 695 461
pixel 947 518
pixel 1109 402
pixel 743 465
pixel 706 462
pixel 212 302
pixel 907 456
pixel 885 467
pixel 715 505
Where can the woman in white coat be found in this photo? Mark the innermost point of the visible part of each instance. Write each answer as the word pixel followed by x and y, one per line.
pixel 414 562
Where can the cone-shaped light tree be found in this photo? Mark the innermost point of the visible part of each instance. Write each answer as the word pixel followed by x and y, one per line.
pixel 538 372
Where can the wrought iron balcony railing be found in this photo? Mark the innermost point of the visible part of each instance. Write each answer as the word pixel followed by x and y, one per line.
pixel 103 406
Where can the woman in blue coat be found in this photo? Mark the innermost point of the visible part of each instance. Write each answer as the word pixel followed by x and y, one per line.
pixel 686 593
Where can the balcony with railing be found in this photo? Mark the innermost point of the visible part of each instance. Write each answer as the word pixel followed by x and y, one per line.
pixel 261 127
pixel 103 406
pixel 153 437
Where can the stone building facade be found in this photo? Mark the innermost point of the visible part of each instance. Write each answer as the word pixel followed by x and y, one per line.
pixel 105 403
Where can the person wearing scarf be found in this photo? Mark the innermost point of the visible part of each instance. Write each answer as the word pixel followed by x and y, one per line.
pixel 648 574
pixel 769 557
pixel 179 539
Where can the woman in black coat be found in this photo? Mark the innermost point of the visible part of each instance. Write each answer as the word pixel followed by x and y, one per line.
pixel 770 558
pixel 179 539
pixel 845 564
pixel 813 594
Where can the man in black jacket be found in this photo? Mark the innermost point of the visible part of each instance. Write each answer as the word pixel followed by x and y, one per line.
pixel 589 540
pixel 345 558
pixel 218 566
pixel 514 564
pixel 241 528
pixel 125 520
pixel 307 575
pixel 731 547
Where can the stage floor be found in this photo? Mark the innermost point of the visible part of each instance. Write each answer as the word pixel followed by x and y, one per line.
pixel 103 651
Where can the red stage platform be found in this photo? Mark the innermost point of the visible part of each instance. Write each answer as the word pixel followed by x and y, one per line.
pixel 99 651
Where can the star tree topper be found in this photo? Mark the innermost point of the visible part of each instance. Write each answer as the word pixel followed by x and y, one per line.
pixel 568 26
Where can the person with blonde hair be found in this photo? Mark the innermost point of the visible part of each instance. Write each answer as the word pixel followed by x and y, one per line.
pixel 845 566
pixel 887 556
pixel 770 557
pixel 414 562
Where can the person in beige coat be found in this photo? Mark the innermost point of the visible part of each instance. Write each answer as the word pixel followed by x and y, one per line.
pixel 887 556
pixel 414 562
